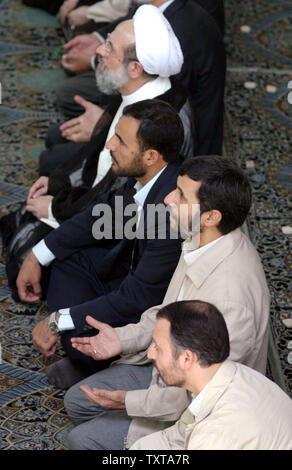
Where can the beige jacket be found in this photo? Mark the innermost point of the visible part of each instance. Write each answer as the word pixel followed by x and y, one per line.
pixel 108 10
pixel 241 410
pixel 229 275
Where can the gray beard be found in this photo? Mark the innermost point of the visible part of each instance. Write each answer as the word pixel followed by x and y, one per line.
pixel 111 81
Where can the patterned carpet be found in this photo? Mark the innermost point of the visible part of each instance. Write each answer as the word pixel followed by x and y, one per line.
pixel 257 134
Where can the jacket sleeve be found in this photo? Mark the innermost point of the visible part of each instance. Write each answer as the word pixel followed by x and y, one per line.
pixel 75 233
pixel 142 288
pixel 108 10
pixel 137 337
pixel 161 402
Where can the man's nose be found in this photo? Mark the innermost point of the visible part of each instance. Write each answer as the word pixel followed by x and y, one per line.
pixel 100 50
pixel 170 198
pixel 110 144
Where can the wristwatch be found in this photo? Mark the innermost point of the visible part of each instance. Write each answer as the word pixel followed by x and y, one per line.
pixel 53 324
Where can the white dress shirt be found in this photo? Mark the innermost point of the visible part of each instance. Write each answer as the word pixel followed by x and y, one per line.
pixel 197 401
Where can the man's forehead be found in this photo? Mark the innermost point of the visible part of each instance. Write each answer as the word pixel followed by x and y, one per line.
pixel 187 184
pixel 124 33
pixel 161 330
pixel 127 126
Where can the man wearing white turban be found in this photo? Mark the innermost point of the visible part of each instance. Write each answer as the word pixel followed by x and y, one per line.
pixel 203 71
pixel 158 51
pixel 73 186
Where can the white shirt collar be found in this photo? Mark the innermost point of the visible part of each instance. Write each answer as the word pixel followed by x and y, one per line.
pixel 163 7
pixel 149 90
pixel 143 191
pixel 196 404
pixel 191 253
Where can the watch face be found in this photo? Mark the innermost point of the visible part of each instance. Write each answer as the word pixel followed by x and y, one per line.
pixel 54 327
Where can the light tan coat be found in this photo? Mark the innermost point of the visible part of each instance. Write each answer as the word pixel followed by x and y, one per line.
pixel 108 10
pixel 230 276
pixel 241 410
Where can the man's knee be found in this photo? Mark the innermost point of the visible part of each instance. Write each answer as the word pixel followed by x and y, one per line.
pixel 84 438
pixel 74 404
pixel 77 440
pixel 65 98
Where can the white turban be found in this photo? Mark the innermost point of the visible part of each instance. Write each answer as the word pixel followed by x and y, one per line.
pixel 157 47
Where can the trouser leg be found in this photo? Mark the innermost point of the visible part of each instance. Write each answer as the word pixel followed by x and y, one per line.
pixel 100 428
pixel 84 85
pixel 58 151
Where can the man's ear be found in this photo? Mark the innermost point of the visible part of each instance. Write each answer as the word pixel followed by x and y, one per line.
pixel 151 157
pixel 187 359
pixel 135 69
pixel 211 218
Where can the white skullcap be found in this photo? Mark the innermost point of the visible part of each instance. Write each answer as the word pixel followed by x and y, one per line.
pixel 158 49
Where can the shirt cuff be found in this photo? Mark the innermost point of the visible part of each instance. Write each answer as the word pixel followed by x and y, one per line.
pixel 65 321
pixel 43 254
pixel 51 221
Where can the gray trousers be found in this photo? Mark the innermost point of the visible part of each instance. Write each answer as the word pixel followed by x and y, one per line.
pixel 98 428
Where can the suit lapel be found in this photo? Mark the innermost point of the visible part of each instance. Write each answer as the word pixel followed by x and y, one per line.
pixel 162 186
pixel 174 7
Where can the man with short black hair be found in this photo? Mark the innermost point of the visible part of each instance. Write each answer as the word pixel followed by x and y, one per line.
pixel 221 267
pixel 74 185
pixel 98 267
pixel 233 407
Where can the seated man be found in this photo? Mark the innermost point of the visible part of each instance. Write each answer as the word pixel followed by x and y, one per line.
pixel 72 187
pixel 233 407
pixel 103 267
pixel 203 71
pixel 224 270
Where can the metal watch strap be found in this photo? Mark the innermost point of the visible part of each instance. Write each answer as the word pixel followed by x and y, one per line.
pixel 53 325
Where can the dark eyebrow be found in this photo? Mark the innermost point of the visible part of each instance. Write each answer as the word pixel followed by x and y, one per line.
pixel 120 138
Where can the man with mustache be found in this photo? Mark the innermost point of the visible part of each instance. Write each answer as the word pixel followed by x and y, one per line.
pixel 203 71
pixel 221 267
pixel 232 406
pixel 135 69
pixel 112 266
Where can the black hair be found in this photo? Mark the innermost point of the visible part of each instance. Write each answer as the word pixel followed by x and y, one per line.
pixel 224 187
pixel 199 327
pixel 160 127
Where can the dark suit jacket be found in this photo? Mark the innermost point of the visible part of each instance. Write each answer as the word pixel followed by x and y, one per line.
pixel 204 68
pixel 151 262
pixel 215 8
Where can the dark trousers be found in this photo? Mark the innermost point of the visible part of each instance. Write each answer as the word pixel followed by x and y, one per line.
pixel 58 151
pixel 84 85
pixel 72 282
